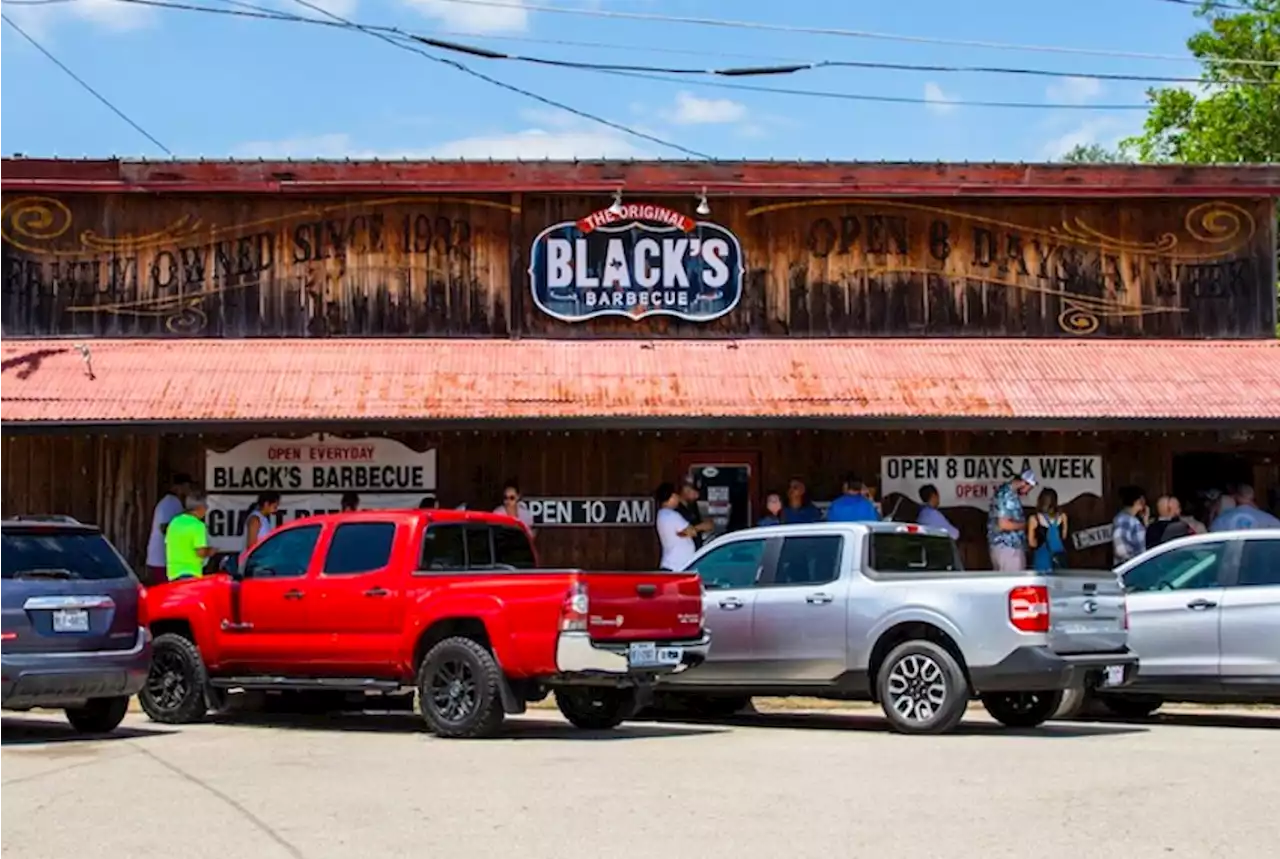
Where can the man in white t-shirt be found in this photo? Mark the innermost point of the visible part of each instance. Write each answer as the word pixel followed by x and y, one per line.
pixel 674 531
pixel 167 507
pixel 513 506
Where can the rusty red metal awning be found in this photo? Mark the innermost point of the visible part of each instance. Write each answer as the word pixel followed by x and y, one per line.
pixel 507 383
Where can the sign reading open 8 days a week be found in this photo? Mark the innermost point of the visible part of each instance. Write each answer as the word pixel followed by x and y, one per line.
pixel 971 481
pixel 311 474
pixel 646 261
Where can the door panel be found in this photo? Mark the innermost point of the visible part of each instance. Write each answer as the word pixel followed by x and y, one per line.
pixel 729 573
pixel 1175 600
pixel 800 628
pixel 1251 617
pixel 269 632
pixel 355 602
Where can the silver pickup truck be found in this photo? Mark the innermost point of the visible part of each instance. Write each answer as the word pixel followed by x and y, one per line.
pixel 885 612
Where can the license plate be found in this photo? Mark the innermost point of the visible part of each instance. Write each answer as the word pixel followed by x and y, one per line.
pixel 70 620
pixel 646 654
pixel 1114 676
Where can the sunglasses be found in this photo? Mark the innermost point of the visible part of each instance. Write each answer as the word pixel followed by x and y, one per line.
pixel 512 498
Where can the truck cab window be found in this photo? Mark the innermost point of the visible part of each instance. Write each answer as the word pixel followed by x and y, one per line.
pixel 444 548
pixel 809 560
pixel 512 549
pixel 359 547
pixel 479 549
pixel 283 555
pixel 913 553
pixel 734 565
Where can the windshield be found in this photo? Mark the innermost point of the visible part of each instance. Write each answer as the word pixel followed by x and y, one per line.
pixel 59 553
pixel 913 553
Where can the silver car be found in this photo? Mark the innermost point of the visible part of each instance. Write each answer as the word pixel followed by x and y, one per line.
pixel 1204 618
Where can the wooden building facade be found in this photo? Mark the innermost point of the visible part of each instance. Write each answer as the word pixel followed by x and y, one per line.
pixel 101 255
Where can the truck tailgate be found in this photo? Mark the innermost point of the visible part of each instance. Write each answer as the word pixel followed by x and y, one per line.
pixel 644 606
pixel 1086 612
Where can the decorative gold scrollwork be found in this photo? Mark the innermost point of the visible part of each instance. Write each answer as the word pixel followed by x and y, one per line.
pixel 33 219
pixel 1078 319
pixel 1219 222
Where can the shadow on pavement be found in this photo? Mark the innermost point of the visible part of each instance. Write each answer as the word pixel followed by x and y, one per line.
pixel 27 731
pixel 876 723
pixel 517 728
pixel 1264 721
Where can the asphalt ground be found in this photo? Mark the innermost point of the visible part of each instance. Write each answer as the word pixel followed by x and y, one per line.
pixel 835 784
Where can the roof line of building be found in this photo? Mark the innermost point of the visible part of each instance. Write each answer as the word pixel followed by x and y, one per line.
pixel 741 178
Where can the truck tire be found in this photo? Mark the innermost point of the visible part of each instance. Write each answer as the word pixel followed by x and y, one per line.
pixel 922 688
pixel 1022 709
pixel 174 693
pixel 98 715
pixel 459 690
pixel 1135 707
pixel 596 708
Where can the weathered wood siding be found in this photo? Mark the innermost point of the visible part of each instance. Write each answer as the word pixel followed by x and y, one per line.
pixel 243 266
pixel 115 480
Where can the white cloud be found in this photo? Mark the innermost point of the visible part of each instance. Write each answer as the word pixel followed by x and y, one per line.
pixel 1075 90
pixel 510 17
pixel 937 101
pixel 529 144
pixel 692 110
pixel 1103 130
pixel 108 14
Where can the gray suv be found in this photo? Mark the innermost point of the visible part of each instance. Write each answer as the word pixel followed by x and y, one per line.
pixel 73 637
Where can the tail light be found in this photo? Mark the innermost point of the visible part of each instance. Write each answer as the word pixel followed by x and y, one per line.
pixel 1029 608
pixel 144 619
pixel 573 614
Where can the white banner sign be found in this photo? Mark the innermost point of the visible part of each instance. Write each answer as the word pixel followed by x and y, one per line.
pixel 971 481
pixel 311 474
pixel 320 464
pixel 227 513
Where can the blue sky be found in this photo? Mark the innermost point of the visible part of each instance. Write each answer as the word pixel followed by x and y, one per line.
pixel 212 86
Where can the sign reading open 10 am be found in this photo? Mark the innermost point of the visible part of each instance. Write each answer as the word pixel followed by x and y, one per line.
pixel 647 261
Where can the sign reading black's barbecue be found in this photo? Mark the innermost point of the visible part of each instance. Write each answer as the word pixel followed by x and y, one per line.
pixel 646 260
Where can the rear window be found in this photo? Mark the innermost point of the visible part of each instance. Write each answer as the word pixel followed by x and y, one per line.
pixel 512 549
pixel 913 553
pixel 360 547
pixel 59 554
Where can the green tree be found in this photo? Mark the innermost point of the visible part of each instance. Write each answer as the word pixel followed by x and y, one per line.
pixel 1234 115
pixel 1095 153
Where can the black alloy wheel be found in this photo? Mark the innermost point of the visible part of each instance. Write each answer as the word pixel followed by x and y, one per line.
pixel 175 689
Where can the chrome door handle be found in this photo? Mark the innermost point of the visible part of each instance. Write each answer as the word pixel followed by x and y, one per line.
pixel 376 592
pixel 730 603
pixel 1201 604
pixel 293 595
pixel 818 599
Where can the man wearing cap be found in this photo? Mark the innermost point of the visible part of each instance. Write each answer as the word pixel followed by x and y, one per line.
pixel 1007 525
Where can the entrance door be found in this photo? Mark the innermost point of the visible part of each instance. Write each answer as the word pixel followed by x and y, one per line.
pixel 1194 474
pixel 728 487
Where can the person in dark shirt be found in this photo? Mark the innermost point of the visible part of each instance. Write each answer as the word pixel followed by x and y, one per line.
pixel 1169 525
pixel 689 510
pixel 799 510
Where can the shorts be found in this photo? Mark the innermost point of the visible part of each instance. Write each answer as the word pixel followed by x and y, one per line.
pixel 1007 559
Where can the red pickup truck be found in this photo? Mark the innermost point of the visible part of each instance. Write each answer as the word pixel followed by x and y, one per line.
pixel 452 603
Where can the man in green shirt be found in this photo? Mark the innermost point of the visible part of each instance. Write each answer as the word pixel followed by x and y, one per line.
pixel 186 541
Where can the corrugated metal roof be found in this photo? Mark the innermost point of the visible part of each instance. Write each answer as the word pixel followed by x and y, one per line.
pixel 457 380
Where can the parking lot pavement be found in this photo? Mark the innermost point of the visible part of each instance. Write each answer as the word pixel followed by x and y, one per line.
pixel 831 784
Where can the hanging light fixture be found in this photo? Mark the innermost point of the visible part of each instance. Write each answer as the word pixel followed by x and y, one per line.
pixel 704 208
pixel 616 208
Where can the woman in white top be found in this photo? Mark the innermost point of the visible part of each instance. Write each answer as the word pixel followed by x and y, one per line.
pixel 261 519
pixel 674 531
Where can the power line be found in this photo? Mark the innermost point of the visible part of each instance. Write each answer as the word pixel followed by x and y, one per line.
pixel 1199 4
pixel 856 34
pixel 506 86
pixel 888 99
pixel 793 64
pixel 83 83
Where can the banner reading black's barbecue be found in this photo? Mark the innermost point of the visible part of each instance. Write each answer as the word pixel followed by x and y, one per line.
pixel 636 261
